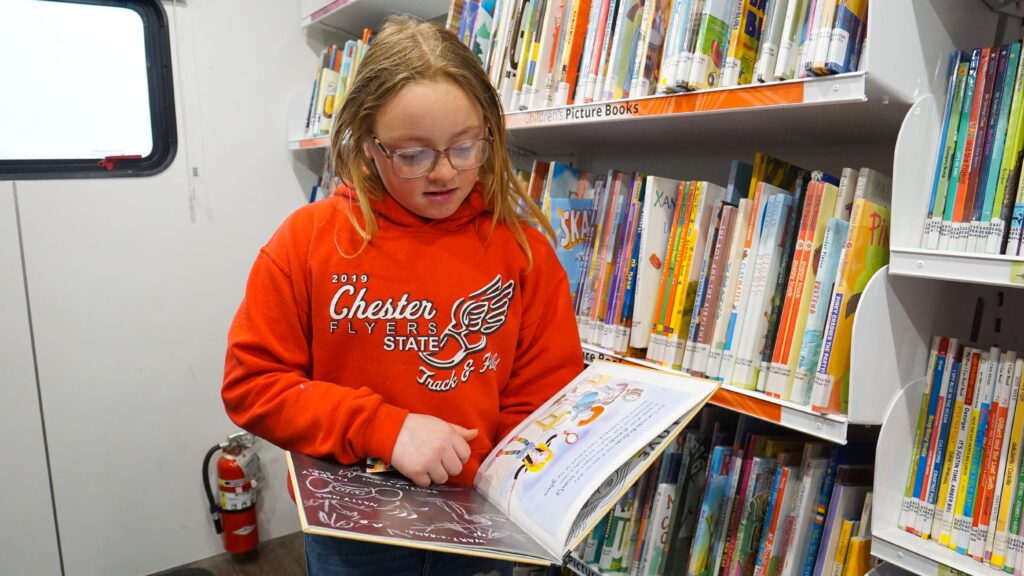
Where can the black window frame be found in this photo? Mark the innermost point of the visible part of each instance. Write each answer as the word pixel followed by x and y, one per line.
pixel 163 121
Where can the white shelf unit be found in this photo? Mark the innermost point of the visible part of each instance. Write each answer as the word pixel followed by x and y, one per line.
pixel 913 168
pixel 972 297
pixel 830 122
pixel 351 16
pixel 980 315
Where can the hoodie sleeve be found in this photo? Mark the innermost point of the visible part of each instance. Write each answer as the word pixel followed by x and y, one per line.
pixel 267 388
pixel 548 353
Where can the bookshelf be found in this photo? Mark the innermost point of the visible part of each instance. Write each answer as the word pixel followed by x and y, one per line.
pixel 913 165
pixel 309 143
pixel 883 116
pixel 831 427
pixel 351 16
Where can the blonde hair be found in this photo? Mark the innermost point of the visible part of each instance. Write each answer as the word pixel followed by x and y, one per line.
pixel 407 51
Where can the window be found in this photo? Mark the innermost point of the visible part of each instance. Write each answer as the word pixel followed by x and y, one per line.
pixel 87 89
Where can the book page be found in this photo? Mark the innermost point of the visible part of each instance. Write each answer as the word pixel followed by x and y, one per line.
pixel 545 471
pixel 348 502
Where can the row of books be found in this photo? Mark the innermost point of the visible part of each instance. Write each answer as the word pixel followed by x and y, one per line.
pixel 542 53
pixel 333 78
pixel 965 489
pixel 733 499
pixel 754 284
pixel 977 195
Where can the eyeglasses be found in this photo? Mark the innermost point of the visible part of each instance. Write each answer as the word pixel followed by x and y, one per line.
pixel 412 163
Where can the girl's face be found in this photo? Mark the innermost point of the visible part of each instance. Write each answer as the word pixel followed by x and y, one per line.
pixel 428 114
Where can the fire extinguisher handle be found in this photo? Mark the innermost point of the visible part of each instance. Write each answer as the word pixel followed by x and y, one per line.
pixel 214 507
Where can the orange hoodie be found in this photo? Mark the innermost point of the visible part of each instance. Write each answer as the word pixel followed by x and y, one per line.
pixel 327 353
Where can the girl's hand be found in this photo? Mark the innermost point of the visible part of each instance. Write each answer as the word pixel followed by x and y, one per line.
pixel 429 449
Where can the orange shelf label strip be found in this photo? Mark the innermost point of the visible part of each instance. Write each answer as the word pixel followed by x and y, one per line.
pixel 705 101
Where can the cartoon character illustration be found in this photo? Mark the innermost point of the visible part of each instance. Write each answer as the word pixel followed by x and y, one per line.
pixel 533 455
pixel 591 404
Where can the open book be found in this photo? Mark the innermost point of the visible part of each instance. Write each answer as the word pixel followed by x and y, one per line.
pixel 540 491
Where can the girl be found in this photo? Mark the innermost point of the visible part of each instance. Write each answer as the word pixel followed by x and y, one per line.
pixel 414 316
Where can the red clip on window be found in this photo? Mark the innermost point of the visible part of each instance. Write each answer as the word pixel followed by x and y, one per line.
pixel 110 162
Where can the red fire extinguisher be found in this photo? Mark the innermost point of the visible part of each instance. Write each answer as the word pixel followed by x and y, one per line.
pixel 234 511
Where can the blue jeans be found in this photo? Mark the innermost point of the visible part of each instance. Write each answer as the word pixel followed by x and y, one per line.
pixel 327 556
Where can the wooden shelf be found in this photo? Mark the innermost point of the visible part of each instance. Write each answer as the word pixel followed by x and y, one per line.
pixel 786 414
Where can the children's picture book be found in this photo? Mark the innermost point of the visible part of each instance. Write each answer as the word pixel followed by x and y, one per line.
pixel 537 494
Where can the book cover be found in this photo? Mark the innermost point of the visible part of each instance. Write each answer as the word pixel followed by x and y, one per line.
pixel 573 221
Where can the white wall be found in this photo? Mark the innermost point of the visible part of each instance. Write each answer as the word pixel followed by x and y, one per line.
pixel 28 540
pixel 132 289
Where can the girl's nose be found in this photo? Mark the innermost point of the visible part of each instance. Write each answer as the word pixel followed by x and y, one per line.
pixel 443 169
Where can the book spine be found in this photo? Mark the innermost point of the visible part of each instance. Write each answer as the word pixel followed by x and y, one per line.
pixel 789 45
pixel 990 154
pixel 992 456
pixel 1009 394
pixel 744 42
pixel 945 421
pixel 821 511
pixel 967 184
pixel 771 37
pixel 932 424
pixel 976 440
pixel 851 16
pixel 961 455
pixel 1000 553
pixel 940 182
pixel 710 513
pixel 710 310
pixel 992 220
pixel 954 198
pixel 707 56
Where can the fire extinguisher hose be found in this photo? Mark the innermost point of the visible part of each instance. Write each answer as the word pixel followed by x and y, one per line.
pixel 214 507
